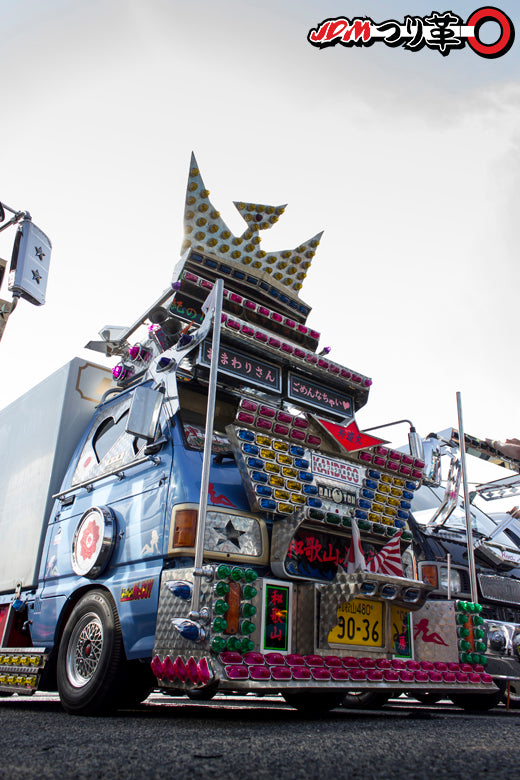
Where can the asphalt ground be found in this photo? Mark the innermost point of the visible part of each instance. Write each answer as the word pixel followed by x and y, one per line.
pixel 251 737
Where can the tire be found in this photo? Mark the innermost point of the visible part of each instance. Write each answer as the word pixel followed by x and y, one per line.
pixel 92 667
pixel 366 700
pixel 139 684
pixel 477 702
pixel 201 694
pixel 314 704
pixel 514 697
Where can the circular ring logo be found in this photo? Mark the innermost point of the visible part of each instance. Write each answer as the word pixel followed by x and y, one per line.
pixel 93 542
pixel 507 32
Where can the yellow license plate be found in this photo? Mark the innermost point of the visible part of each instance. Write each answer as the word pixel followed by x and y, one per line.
pixel 360 622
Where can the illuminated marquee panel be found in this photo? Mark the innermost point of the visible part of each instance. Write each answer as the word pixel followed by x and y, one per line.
pixel 281 477
pixel 251 310
pixel 235 363
pixel 317 396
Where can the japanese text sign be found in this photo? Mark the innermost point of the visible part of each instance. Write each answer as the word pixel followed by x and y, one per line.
pixel 319 396
pixel 277 616
pixel 252 370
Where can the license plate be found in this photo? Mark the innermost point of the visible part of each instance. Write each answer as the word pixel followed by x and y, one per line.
pixel 360 622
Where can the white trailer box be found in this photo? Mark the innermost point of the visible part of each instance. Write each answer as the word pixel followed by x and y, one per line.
pixel 38 435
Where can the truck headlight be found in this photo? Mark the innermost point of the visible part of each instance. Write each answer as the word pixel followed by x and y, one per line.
pixel 407 563
pixel 454 580
pixel 437 576
pixel 497 640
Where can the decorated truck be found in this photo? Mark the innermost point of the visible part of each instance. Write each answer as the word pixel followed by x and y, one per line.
pixel 208 516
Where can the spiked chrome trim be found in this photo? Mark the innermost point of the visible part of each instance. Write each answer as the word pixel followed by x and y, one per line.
pixel 205 230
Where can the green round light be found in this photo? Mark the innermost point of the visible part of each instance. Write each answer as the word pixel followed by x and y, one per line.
pixel 248 610
pixel 223 571
pixel 218 644
pixel 234 643
pixel 219 624
pixel 221 588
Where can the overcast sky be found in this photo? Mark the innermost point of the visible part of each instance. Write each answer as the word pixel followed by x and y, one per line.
pixel 409 161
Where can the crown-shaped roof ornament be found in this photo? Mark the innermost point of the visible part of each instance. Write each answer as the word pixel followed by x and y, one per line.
pixel 206 231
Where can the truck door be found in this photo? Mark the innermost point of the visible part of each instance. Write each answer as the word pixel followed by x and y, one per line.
pixel 112 472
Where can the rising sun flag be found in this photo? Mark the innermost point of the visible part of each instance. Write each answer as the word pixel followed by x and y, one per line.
pixel 387 560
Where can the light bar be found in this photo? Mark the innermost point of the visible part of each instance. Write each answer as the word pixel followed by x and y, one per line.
pixel 241 304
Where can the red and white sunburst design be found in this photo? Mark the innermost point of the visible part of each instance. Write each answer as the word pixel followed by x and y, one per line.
pixel 88 539
pixel 88 542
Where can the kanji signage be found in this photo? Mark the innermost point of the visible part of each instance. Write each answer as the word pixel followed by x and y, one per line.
pixel 320 397
pixel 316 555
pixel 277 616
pixel 235 363
pixel 401 633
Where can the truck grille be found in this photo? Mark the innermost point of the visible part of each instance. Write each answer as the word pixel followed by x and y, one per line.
pixel 503 589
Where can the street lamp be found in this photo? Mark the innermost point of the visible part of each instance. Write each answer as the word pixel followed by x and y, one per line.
pixel 30 260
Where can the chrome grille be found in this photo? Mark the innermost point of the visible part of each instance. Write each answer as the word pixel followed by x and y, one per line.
pixel 502 589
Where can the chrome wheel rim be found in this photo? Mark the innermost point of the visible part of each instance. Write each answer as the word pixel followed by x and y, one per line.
pixel 84 650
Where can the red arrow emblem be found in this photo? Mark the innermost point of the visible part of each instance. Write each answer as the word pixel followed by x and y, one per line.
pixel 350 438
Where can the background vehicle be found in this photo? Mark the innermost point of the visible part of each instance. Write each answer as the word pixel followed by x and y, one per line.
pixel 438 524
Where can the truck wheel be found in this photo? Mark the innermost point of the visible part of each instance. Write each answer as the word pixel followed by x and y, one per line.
pixel 313 703
pixel 202 694
pixel 91 667
pixel 139 684
pixel 366 700
pixel 514 697
pixel 477 702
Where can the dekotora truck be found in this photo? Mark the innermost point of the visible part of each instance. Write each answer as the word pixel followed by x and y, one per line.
pixel 207 516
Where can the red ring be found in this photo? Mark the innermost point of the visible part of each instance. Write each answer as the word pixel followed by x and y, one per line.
pixel 507 36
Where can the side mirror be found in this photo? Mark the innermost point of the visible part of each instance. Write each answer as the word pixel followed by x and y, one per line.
pixel 432 460
pixel 145 411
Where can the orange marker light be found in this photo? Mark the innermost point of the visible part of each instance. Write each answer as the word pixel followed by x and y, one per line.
pixel 185 531
pixel 429 575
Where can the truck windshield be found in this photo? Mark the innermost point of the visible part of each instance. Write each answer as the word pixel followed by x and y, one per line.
pixel 193 419
pixel 427 501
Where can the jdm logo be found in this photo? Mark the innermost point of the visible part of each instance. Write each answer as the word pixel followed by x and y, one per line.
pixel 444 32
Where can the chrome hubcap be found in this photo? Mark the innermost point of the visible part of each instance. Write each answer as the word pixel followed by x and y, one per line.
pixel 84 650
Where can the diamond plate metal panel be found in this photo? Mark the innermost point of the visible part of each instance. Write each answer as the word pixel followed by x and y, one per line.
pixel 435 632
